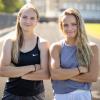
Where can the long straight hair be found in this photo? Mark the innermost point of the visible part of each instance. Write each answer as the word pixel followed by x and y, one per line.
pixel 18 42
pixel 84 51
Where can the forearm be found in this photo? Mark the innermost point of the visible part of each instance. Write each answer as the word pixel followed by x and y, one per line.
pixel 12 71
pixel 84 78
pixel 37 75
pixel 90 76
pixel 63 74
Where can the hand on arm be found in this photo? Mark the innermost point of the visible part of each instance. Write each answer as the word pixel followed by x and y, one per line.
pixel 82 69
pixel 92 74
pixel 36 68
pixel 42 72
pixel 8 70
pixel 57 72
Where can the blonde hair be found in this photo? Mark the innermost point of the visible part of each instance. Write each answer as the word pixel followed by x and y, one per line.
pixel 84 51
pixel 18 42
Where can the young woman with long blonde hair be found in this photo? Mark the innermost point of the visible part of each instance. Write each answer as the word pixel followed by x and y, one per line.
pixel 73 60
pixel 24 59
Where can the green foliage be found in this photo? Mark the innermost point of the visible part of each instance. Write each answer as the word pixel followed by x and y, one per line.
pixel 1 6
pixel 11 6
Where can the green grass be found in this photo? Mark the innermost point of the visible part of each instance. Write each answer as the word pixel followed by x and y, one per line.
pixel 93 29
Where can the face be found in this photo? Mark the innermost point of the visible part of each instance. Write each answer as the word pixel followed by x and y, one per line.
pixel 69 26
pixel 28 20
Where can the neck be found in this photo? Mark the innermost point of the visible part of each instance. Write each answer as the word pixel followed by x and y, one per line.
pixel 70 41
pixel 28 35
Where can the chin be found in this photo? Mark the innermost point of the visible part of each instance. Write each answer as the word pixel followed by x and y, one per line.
pixel 72 36
pixel 26 29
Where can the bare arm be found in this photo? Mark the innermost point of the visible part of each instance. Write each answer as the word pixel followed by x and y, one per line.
pixel 43 72
pixel 92 75
pixel 6 68
pixel 58 73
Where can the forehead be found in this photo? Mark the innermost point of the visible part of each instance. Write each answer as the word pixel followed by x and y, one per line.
pixel 68 18
pixel 29 12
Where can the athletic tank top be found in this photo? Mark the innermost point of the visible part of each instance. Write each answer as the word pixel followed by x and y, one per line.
pixel 68 60
pixel 21 87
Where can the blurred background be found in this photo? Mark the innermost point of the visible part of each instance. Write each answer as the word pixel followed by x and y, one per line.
pixel 47 27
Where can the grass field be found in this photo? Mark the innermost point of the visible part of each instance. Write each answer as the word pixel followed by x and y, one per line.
pixel 51 33
pixel 93 30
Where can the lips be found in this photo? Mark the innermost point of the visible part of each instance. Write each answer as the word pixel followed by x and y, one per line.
pixel 69 33
pixel 27 25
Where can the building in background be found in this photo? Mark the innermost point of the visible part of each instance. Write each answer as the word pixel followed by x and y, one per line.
pixel 90 9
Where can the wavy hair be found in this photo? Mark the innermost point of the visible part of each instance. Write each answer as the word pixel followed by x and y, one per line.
pixel 84 51
pixel 18 42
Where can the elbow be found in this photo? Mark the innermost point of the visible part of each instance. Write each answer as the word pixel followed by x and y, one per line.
pixel 1 72
pixel 54 76
pixel 46 75
pixel 94 79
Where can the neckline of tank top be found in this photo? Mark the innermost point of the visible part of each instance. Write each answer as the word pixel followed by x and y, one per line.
pixel 68 45
pixel 31 49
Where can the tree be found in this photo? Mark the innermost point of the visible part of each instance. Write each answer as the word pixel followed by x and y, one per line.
pixel 1 6
pixel 11 6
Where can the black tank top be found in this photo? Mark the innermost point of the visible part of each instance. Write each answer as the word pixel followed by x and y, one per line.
pixel 21 87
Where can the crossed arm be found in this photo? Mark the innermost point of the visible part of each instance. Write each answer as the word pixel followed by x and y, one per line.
pixel 58 73
pixel 92 74
pixel 43 72
pixel 6 68
pixel 26 72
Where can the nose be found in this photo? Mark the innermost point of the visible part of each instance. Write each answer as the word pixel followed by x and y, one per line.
pixel 28 20
pixel 69 27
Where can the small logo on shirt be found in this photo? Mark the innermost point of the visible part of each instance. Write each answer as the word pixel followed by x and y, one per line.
pixel 34 55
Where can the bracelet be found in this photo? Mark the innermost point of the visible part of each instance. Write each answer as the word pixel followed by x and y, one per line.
pixel 79 70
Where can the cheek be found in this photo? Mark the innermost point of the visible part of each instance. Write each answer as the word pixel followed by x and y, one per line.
pixel 34 23
pixel 21 23
pixel 75 29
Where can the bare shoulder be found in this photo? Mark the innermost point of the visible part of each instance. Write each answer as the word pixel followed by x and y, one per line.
pixel 93 46
pixel 7 43
pixel 43 44
pixel 55 47
pixel 5 58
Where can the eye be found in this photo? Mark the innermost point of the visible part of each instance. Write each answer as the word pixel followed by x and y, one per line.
pixel 32 18
pixel 24 17
pixel 74 24
pixel 65 25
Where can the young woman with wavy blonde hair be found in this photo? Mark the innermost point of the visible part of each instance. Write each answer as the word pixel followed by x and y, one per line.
pixel 73 60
